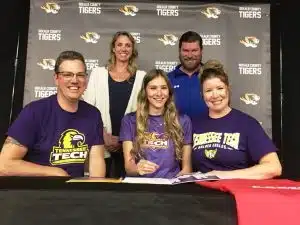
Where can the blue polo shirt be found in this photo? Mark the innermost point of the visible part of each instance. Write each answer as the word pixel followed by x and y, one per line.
pixel 187 92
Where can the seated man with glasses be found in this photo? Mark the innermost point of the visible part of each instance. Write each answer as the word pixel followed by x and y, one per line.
pixel 56 135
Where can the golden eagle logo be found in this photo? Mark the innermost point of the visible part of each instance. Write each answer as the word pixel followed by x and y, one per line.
pixel 90 37
pixel 150 136
pixel 210 153
pixel 71 149
pixel 250 41
pixel 129 10
pixel 168 39
pixel 51 7
pixel 211 12
pixel 47 64
pixel 250 98
pixel 71 139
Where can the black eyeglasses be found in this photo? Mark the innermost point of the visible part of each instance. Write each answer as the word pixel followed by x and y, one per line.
pixel 69 75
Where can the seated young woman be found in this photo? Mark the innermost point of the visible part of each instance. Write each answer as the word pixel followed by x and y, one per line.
pixel 156 140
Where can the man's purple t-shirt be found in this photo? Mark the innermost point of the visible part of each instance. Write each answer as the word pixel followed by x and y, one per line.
pixel 55 137
pixel 235 141
pixel 157 147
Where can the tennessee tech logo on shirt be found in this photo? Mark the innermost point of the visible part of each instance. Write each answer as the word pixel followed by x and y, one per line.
pixel 71 149
pixel 51 7
pixel 210 141
pixel 90 37
pixel 129 10
pixel 211 12
pixel 155 140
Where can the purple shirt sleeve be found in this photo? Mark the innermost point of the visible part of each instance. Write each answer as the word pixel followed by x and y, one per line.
pixel 187 129
pixel 98 139
pixel 259 143
pixel 24 129
pixel 127 128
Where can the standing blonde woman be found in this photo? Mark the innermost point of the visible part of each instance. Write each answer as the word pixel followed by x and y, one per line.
pixel 113 89
pixel 155 138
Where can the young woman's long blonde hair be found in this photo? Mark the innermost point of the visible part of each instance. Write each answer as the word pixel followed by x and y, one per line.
pixel 172 126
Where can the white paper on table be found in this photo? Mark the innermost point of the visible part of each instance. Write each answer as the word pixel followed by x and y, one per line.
pixel 187 178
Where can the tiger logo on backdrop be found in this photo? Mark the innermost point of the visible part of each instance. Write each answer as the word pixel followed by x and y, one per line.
pixel 51 7
pixel 250 41
pixel 250 98
pixel 168 39
pixel 90 37
pixel 47 64
pixel 211 12
pixel 129 10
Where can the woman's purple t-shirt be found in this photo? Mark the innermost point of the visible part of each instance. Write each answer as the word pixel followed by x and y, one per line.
pixel 157 147
pixel 235 141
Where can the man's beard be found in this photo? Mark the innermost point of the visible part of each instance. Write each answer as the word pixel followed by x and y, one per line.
pixel 192 65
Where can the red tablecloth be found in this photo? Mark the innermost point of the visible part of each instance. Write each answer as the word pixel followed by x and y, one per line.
pixel 263 202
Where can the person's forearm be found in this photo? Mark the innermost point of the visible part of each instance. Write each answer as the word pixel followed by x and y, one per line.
pixel 97 168
pixel 184 171
pixel 259 172
pixel 131 170
pixel 186 160
pixel 186 167
pixel 24 168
